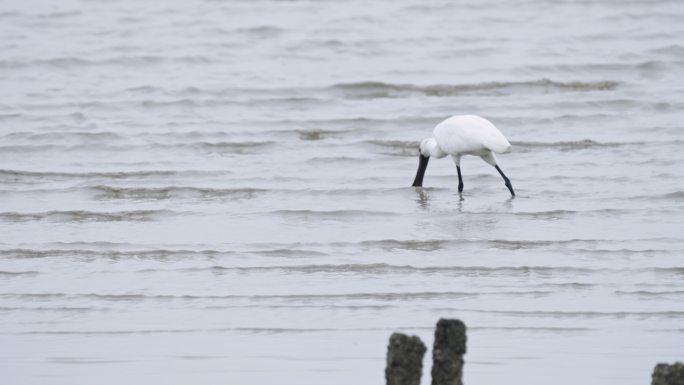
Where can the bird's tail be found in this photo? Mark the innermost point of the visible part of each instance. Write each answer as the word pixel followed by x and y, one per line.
pixel 501 148
pixel 497 143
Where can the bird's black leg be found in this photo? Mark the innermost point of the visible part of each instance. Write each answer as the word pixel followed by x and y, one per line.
pixel 506 180
pixel 460 179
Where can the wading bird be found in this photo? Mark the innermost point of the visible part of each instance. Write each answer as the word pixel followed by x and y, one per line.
pixel 463 135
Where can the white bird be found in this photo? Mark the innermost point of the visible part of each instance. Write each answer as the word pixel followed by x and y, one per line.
pixel 463 135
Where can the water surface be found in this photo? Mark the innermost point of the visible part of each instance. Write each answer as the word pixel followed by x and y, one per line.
pixel 219 191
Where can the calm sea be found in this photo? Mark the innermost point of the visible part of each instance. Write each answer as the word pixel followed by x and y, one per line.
pixel 218 192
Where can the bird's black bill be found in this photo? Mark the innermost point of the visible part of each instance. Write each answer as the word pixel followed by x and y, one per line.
pixel 422 165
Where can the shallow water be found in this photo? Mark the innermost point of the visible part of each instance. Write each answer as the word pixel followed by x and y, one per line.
pixel 219 191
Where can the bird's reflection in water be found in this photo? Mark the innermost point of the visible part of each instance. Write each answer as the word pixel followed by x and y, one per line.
pixel 459 202
pixel 423 197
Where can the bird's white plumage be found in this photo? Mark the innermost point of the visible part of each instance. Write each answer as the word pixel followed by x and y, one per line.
pixel 469 135
pixel 463 135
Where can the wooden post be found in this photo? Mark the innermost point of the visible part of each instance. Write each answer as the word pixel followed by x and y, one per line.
pixel 404 360
pixel 665 374
pixel 448 351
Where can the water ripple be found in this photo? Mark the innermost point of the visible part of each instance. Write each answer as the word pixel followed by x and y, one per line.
pixel 87 216
pixel 373 89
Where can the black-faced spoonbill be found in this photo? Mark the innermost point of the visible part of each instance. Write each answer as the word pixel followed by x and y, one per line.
pixel 463 135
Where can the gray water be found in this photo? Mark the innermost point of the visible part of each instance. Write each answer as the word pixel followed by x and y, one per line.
pixel 218 192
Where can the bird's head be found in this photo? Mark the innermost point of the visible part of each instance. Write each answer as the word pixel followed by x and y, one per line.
pixel 424 147
pixel 428 147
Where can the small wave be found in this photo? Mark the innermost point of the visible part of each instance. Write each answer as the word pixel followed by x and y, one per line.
pixel 188 135
pixel 603 252
pixel 418 245
pixel 333 214
pixel 318 134
pixel 9 14
pixel 233 147
pixel 262 30
pixel 109 297
pixel 25 175
pixel 673 50
pixel 648 293
pixel 428 7
pixel 522 244
pixel 48 15
pixel 145 89
pixel 87 136
pixel 86 216
pixel 399 144
pixel 552 329
pixel 335 160
pixel 551 214
pixel 83 360
pixel 11 274
pixel 41 148
pixel 159 193
pixel 399 296
pixel 580 245
pixel 567 145
pixel 386 296
pixel 250 330
pixel 371 89
pixel 579 314
pixel 217 99
pixel 285 253
pixel 649 66
pixel 170 103
pixel 559 214
pixel 115 174
pixel 667 330
pixel 396 147
pixel 123 61
pixel 4 117
pixel 382 268
pixel 155 254
pixel 57 309
pixel 58 14
pixel 34 296
pixel 65 62
pixel 668 270
pixel 438 244
pixel 677 196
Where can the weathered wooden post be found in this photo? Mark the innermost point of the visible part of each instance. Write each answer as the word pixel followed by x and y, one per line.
pixel 665 374
pixel 404 360
pixel 448 351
